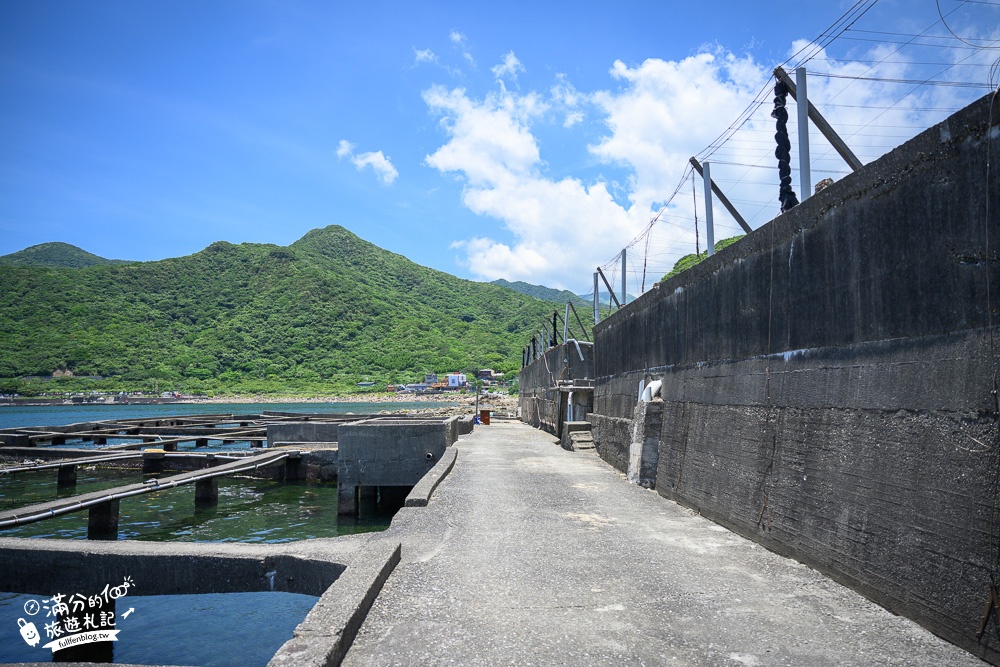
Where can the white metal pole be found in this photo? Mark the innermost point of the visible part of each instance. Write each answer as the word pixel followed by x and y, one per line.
pixel 709 224
pixel 597 303
pixel 566 324
pixel 802 107
pixel 623 277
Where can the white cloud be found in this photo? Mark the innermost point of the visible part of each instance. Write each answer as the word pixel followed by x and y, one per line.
pixel 490 140
pixel 424 56
pixel 565 95
pixel 344 148
pixel 556 229
pixel 509 67
pixel 460 41
pixel 492 147
pixel 378 162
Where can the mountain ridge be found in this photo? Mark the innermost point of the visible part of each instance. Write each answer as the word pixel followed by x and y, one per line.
pixel 325 310
pixel 56 254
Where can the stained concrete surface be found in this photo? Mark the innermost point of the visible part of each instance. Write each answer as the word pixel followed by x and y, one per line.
pixel 532 555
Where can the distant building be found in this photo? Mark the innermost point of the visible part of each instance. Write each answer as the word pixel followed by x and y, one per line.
pixel 486 374
pixel 431 378
pixel 457 380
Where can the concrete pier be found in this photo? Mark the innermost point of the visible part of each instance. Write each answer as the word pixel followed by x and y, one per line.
pixel 67 476
pixel 206 491
pixel 102 522
pixel 530 554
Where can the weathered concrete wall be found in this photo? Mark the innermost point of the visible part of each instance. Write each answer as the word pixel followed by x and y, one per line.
pixel 302 432
pixel 539 399
pixel 52 566
pixel 827 381
pixel 390 452
pixel 465 425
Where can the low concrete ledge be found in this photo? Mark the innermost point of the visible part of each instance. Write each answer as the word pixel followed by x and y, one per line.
pixel 421 493
pixel 47 566
pixel 466 424
pixel 323 638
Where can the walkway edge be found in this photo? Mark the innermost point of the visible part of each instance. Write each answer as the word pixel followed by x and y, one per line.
pixel 322 639
pixel 421 493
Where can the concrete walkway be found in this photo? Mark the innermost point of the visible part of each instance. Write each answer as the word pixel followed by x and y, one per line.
pixel 531 555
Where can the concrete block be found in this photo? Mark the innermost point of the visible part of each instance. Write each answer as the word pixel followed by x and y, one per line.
pixel 390 454
pixel 67 476
pixel 644 449
pixel 102 521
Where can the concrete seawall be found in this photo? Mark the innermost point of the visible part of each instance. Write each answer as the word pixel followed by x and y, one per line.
pixel 542 403
pixel 828 381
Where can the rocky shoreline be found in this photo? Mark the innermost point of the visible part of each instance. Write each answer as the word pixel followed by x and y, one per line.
pixel 444 403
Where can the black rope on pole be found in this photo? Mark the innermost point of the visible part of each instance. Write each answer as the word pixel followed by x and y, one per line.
pixel 786 195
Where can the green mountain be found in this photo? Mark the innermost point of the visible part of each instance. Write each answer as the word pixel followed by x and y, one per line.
pixel 55 255
pixel 542 292
pixel 323 312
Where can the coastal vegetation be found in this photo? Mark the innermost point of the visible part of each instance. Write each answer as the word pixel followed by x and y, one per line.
pixel 317 316
pixel 687 261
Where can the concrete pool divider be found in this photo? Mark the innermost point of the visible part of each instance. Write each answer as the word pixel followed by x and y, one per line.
pixel 323 638
pixel 47 566
pixel 329 629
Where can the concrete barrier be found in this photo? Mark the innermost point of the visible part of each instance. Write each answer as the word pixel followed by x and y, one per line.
pixel 421 493
pixel 323 638
pixel 828 380
pixel 465 425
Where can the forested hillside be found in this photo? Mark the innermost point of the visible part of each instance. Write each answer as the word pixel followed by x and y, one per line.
pixel 55 255
pixel 543 293
pixel 324 312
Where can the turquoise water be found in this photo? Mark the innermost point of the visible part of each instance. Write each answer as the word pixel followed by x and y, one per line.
pixel 215 630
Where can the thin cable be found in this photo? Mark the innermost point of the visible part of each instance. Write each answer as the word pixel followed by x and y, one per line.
pixel 945 22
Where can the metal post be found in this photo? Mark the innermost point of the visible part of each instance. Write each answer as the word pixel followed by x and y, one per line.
pixel 802 107
pixel 566 324
pixel 709 226
pixel 723 199
pixel 624 298
pixel 824 127
pixel 555 332
pixel 611 291
pixel 597 303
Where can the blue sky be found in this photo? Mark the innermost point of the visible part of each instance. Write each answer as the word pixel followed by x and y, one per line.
pixel 522 140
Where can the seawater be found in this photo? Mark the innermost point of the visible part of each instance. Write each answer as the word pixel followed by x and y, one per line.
pixel 214 630
pixel 249 509
pixel 218 630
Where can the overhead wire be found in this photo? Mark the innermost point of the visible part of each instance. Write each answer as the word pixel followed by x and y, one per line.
pixel 751 159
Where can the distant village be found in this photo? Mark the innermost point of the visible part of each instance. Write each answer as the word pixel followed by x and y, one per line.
pixel 452 382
